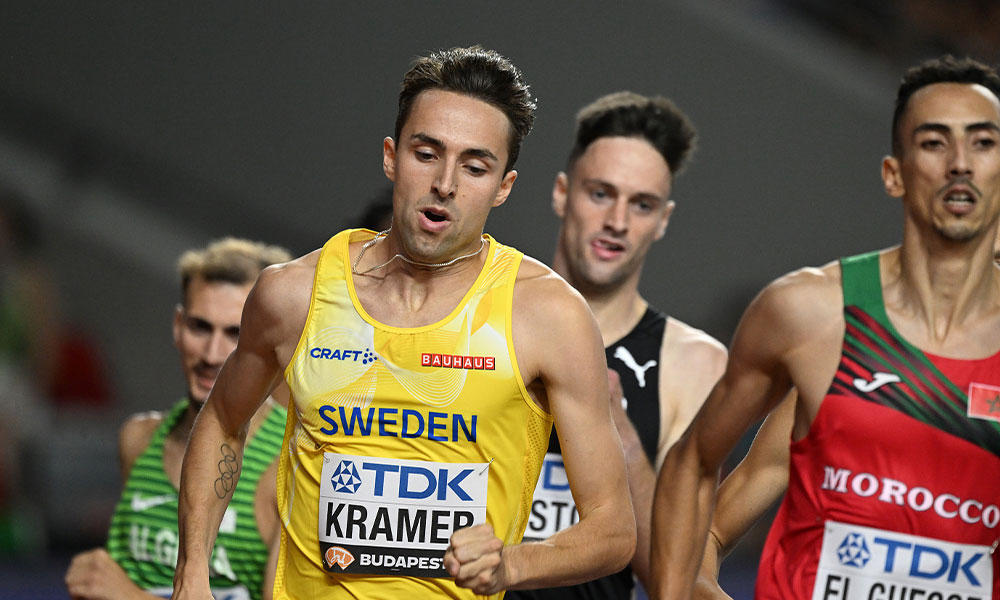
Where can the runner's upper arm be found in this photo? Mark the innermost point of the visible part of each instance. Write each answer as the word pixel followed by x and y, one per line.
pixel 254 369
pixel 692 362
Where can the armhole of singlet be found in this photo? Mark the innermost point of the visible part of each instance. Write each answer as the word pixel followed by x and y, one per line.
pixel 312 303
pixel 279 426
pixel 511 282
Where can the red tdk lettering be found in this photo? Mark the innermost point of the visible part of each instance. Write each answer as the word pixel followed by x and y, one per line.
pixel 458 361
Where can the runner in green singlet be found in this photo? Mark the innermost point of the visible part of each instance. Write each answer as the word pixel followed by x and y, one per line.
pixel 141 553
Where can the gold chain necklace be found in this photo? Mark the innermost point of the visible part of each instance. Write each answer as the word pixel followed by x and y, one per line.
pixel 382 234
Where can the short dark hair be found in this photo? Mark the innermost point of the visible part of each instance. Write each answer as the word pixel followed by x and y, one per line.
pixel 477 72
pixel 626 114
pixel 944 69
pixel 228 260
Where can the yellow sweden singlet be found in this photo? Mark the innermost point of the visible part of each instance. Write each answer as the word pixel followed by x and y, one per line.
pixel 398 436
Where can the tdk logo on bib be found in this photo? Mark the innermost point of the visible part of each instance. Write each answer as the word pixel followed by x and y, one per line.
pixel 853 551
pixel 345 478
pixel 396 516
pixel 873 564
pixel 417 482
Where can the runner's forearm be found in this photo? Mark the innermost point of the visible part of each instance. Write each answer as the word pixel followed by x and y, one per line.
pixel 685 495
pixel 210 471
pixel 595 546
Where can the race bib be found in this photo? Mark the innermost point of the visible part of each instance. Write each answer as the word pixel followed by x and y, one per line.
pixel 862 563
pixel 394 517
pixel 552 506
pixel 231 593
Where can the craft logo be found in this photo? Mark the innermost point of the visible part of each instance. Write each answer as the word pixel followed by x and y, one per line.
pixel 335 555
pixel 344 354
pixel 458 361
pixel 984 401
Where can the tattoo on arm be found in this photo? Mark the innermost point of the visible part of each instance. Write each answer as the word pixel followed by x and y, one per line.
pixel 227 472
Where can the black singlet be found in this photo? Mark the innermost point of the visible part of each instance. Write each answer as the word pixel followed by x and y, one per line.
pixel 636 358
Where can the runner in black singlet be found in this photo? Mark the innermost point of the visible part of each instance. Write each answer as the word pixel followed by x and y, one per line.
pixel 614 201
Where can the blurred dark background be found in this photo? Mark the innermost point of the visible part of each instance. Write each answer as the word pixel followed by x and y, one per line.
pixel 132 131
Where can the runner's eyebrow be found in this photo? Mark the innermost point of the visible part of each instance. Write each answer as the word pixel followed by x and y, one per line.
pixel 483 153
pixel 944 129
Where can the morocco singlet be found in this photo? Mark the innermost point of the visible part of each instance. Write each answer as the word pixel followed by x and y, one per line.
pixel 143 535
pixel 400 436
pixel 636 358
pixel 893 494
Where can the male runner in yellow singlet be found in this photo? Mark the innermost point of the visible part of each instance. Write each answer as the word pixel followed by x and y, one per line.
pixel 426 365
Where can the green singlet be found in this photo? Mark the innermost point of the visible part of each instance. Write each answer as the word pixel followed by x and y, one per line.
pixel 144 533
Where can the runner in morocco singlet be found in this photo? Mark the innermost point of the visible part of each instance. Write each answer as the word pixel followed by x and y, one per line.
pixel 894 493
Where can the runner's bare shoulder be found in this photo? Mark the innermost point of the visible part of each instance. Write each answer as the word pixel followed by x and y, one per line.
pixel 280 298
pixel 135 435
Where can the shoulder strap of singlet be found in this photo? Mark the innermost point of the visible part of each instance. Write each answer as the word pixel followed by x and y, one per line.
pixel 169 422
pixel 862 283
pixel 335 254
pixel 651 318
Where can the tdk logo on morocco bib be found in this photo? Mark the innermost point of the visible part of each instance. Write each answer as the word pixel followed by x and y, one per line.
pixel 390 516
pixel 862 563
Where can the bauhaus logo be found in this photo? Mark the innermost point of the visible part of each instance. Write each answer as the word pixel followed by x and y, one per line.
pixel 458 361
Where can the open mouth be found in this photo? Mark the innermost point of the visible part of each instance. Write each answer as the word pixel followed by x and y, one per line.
pixel 433 216
pixel 609 245
pixel 960 201
pixel 605 249
pixel 960 198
